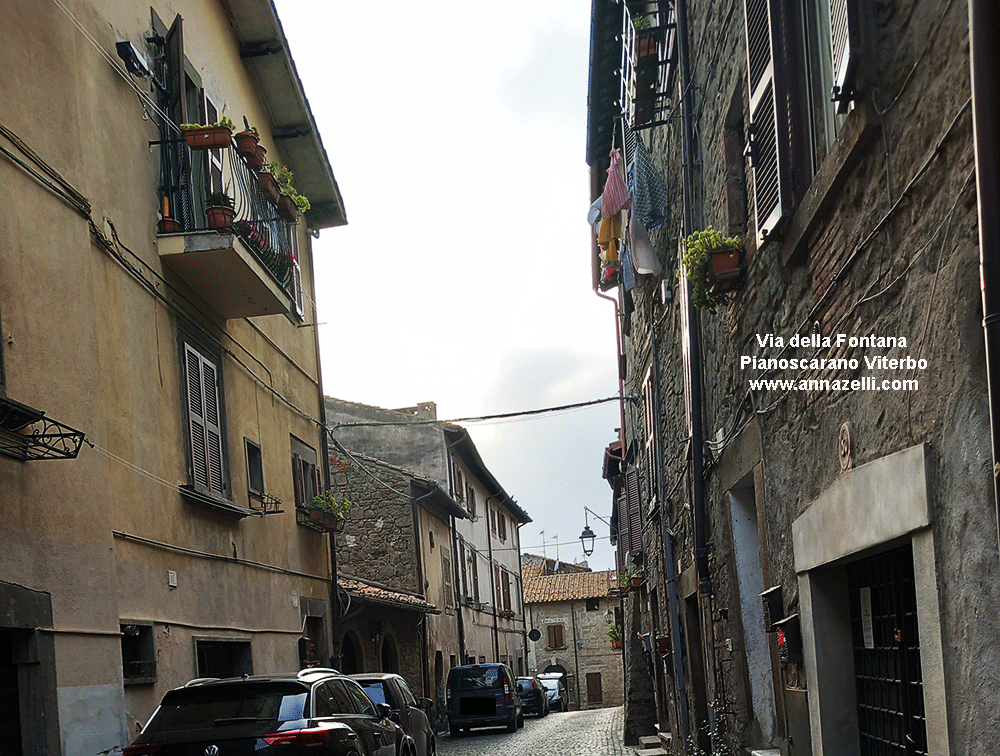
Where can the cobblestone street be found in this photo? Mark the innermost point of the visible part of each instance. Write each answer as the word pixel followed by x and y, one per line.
pixel 597 732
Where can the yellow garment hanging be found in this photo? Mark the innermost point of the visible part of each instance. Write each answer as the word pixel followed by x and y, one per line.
pixel 608 235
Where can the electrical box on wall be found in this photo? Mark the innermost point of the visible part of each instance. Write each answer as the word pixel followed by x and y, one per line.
pixel 171 578
pixel 789 639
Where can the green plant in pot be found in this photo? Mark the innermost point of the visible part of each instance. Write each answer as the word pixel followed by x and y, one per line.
pixel 220 210
pixel 327 502
pixel 714 265
pixel 615 635
pixel 218 134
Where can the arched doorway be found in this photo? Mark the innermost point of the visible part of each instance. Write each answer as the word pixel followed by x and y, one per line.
pixel 350 656
pixel 390 659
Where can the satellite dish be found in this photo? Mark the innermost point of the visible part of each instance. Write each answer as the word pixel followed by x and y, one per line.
pixel 535 634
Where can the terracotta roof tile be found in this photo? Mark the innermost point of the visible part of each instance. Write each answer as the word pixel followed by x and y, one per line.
pixel 539 589
pixel 362 589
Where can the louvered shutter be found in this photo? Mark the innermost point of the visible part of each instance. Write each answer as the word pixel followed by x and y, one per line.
pixel 196 417
pixel 634 508
pixel 767 132
pixel 475 576
pixel 213 427
pixel 844 38
pixel 179 181
pixel 204 424
pixel 623 529
pixel 298 479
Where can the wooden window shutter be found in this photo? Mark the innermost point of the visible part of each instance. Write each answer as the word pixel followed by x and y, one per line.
pixel 845 44
pixel 634 508
pixel 298 477
pixel 449 583
pixel 623 530
pixel 767 132
pixel 461 563
pixel 556 639
pixel 213 427
pixel 196 417
pixel 475 576
pixel 178 180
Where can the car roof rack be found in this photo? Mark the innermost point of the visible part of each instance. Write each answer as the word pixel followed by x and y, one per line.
pixel 317 670
pixel 200 681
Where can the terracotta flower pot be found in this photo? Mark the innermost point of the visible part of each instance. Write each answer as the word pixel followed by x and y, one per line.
pixel 287 209
pixel 208 137
pixel 220 217
pixel 246 143
pixel 724 270
pixel 268 186
pixel 169 226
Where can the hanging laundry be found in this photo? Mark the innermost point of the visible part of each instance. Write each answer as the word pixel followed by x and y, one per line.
pixel 628 272
pixel 644 258
pixel 608 236
pixel 594 215
pixel 616 197
pixel 648 189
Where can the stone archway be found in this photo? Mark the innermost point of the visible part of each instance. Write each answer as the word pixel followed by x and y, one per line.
pixel 351 656
pixel 388 655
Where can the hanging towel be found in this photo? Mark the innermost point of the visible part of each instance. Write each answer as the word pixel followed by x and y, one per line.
pixel 610 233
pixel 616 197
pixel 594 215
pixel 628 273
pixel 644 258
pixel 648 189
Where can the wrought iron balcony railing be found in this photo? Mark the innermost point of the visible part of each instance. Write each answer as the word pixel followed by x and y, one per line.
pixel 194 181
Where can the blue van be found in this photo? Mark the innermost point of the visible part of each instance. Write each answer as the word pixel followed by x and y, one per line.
pixel 483 695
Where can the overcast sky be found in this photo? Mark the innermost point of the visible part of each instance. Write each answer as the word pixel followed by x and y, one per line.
pixel 457 134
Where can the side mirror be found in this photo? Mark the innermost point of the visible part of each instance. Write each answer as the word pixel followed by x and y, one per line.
pixel 425 703
pixel 382 711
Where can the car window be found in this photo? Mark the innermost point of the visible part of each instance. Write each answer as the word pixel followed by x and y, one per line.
pixel 476 678
pixel 196 707
pixel 342 701
pixel 361 701
pixel 404 691
pixel 551 684
pixel 375 690
pixel 322 701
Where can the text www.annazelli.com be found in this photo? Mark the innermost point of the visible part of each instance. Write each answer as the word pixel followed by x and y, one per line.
pixel 865 383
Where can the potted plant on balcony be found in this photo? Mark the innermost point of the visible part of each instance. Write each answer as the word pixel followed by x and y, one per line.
pixel 220 209
pixel 615 636
pixel 325 513
pixel 714 265
pixel 219 134
pixel 247 144
pixel 290 203
pixel 267 182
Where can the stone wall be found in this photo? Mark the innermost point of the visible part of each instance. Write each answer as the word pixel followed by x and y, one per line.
pixel 378 542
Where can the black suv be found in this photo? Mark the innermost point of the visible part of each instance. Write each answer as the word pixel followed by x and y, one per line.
pixel 483 695
pixel 317 711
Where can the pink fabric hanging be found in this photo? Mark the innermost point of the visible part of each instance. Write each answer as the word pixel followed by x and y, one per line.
pixel 615 196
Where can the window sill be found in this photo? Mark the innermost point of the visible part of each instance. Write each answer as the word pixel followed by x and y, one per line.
pixel 228 509
pixel 860 127
pixel 139 680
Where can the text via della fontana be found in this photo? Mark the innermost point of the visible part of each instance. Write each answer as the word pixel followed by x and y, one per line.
pixel 877 354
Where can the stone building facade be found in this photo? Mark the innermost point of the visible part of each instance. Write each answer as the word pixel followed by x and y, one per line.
pixel 468 538
pixel 394 595
pixel 860 506
pixel 574 609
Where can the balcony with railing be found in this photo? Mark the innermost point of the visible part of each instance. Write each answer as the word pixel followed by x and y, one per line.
pixel 648 63
pixel 221 230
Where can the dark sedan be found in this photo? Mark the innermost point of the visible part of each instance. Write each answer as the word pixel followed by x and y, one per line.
pixel 315 712
pixel 411 713
pixel 533 696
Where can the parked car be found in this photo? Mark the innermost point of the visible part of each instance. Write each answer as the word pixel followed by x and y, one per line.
pixel 483 695
pixel 317 711
pixel 556 689
pixel 411 713
pixel 534 699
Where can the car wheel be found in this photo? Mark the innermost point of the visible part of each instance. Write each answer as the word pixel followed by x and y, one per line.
pixel 512 725
pixel 455 731
pixel 520 720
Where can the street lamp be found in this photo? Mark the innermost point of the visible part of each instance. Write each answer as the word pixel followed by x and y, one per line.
pixel 587 537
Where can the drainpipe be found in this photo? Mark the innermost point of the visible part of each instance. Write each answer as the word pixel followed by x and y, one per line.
pixel 984 64
pixel 576 656
pixel 694 368
pixel 669 563
pixel 618 355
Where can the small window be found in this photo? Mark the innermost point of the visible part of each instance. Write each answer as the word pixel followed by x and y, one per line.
pixel 556 637
pixel 255 468
pixel 138 653
pixel 458 483
pixel 593 604
pixel 223 658
pixel 306 474
pixel 470 495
